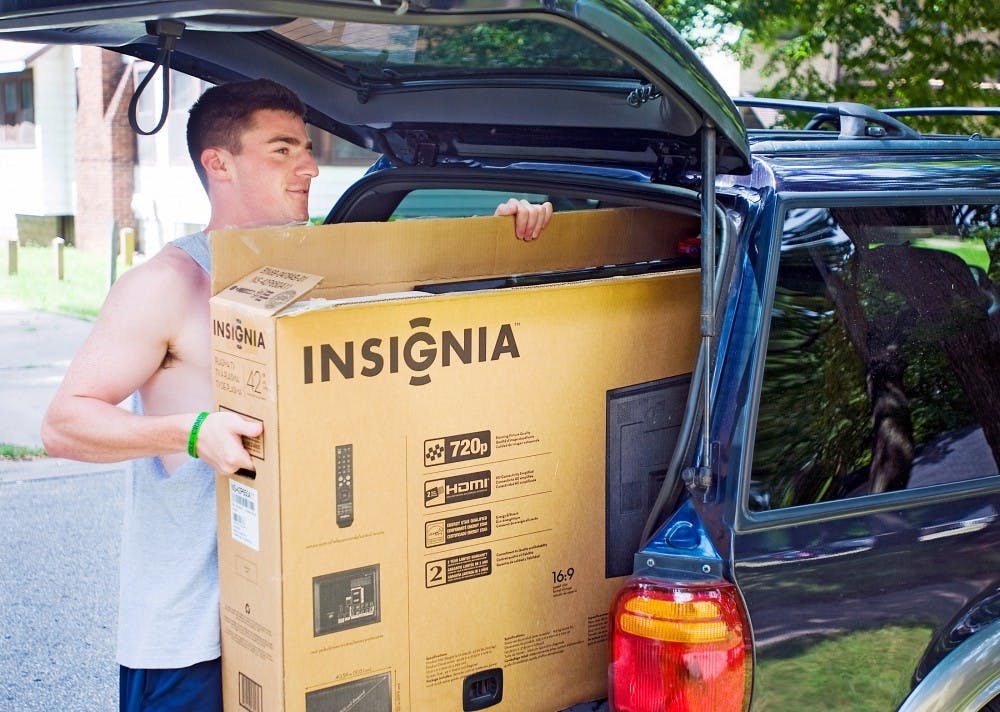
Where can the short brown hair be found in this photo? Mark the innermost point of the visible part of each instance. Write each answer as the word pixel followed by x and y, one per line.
pixel 224 112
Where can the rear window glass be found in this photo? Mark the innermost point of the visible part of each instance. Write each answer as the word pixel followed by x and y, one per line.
pixel 448 203
pixel 504 45
pixel 881 370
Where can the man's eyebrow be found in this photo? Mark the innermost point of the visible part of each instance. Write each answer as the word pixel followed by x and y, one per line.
pixel 292 140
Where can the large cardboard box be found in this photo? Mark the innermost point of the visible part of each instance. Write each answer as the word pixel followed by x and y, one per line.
pixel 426 526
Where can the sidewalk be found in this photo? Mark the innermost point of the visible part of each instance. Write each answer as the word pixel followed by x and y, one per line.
pixel 35 349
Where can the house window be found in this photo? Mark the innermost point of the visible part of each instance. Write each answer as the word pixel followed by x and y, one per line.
pixel 17 104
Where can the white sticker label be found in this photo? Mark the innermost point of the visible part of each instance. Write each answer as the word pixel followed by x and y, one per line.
pixel 245 523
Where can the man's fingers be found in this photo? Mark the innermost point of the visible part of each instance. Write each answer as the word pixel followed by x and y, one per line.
pixel 507 208
pixel 249 428
pixel 220 441
pixel 532 218
pixel 529 218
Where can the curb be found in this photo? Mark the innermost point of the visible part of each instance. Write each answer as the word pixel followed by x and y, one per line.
pixel 12 471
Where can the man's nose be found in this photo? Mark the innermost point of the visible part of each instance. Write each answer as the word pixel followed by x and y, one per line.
pixel 309 166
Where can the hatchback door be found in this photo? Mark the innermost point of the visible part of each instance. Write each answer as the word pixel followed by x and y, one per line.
pixel 604 82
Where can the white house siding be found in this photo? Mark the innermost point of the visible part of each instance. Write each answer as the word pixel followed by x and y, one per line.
pixel 38 180
pixel 55 91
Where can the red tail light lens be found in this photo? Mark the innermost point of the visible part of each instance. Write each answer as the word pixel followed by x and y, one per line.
pixel 679 648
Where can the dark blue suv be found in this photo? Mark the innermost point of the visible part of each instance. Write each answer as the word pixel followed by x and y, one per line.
pixel 817 525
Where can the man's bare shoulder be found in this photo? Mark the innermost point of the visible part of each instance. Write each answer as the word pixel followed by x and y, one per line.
pixel 169 277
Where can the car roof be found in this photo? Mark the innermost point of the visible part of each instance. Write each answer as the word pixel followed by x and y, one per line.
pixel 919 170
pixel 606 82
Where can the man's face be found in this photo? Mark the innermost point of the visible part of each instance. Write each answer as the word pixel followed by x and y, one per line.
pixel 273 171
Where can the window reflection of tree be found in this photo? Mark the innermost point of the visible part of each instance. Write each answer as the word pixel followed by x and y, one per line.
pixel 880 352
pixel 894 293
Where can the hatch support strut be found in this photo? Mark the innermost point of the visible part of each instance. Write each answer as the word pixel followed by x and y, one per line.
pixel 697 478
pixel 700 476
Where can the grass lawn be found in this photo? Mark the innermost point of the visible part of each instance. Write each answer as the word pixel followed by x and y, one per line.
pixel 20 452
pixel 80 293
pixel 864 671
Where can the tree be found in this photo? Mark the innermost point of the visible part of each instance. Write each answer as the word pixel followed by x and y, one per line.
pixel 887 53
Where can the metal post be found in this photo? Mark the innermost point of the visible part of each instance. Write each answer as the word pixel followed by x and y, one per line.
pixel 127 236
pixel 58 248
pixel 113 255
pixel 12 256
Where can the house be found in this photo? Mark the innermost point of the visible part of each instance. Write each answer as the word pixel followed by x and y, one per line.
pixel 38 102
pixel 71 166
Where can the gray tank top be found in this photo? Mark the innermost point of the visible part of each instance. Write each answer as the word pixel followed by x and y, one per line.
pixel 168 606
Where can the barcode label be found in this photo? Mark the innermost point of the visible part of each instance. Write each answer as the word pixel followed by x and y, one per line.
pixel 245 502
pixel 243 520
pixel 250 695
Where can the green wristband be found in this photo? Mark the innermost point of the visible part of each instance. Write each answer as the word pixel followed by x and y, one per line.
pixel 193 437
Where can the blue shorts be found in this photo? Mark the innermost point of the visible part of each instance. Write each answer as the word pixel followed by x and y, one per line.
pixel 197 688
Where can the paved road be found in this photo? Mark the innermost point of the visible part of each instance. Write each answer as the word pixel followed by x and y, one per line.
pixel 35 348
pixel 59 591
pixel 60 523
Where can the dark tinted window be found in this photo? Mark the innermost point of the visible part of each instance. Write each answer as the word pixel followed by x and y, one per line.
pixel 17 109
pixel 883 362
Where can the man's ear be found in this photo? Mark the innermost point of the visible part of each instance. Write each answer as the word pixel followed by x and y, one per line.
pixel 217 165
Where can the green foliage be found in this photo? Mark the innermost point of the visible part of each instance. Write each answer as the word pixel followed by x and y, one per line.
pixel 888 53
pixel 20 452
pixel 519 44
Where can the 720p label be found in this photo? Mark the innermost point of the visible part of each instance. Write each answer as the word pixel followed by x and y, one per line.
pixel 457 448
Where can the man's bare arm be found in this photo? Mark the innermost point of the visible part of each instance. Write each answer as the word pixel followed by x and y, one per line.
pixel 141 321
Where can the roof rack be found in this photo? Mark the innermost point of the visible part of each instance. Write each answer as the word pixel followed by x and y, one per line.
pixel 944 111
pixel 853 120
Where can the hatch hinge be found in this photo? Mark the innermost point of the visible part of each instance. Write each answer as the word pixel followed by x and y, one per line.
pixel 423 149
pixel 363 90
pixel 670 162
pixel 641 94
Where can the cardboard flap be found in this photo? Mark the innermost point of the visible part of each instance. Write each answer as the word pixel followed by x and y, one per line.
pixel 409 252
pixel 268 289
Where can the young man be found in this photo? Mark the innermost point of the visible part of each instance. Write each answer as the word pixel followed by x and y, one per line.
pixel 151 344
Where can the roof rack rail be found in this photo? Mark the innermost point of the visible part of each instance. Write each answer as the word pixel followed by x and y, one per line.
pixel 943 111
pixel 853 120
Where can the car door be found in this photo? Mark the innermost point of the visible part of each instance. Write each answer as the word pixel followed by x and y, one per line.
pixel 868 526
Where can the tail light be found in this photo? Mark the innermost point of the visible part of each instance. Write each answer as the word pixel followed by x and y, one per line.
pixel 679 648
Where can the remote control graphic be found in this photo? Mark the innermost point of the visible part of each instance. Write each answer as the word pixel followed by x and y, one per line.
pixel 345 485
